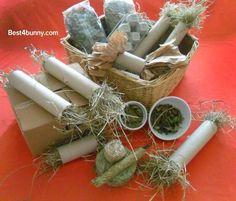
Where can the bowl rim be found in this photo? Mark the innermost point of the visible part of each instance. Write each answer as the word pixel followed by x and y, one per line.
pixel 145 116
pixel 167 137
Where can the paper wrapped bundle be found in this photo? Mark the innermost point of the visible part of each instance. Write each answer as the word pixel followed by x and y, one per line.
pixel 113 152
pixel 104 54
pixel 162 60
pixel 120 172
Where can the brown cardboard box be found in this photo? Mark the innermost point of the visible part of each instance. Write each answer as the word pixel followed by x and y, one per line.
pixel 35 122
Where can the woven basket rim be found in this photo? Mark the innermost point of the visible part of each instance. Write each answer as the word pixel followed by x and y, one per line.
pixel 65 43
pixel 146 83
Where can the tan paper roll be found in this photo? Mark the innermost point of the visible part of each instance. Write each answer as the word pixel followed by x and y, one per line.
pixel 70 77
pixel 189 149
pixel 178 33
pixel 131 62
pixel 47 99
pixel 78 148
pixel 157 31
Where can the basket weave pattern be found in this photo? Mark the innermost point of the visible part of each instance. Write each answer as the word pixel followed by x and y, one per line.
pixel 146 92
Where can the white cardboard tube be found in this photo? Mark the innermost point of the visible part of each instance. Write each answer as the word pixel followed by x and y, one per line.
pixel 189 149
pixel 70 77
pixel 78 148
pixel 131 62
pixel 158 30
pixel 178 33
pixel 47 99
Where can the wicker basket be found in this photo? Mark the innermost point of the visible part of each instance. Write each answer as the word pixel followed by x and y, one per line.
pixel 146 92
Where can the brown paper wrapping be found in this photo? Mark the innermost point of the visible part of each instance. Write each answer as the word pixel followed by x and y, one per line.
pixel 159 62
pixel 104 54
pixel 166 57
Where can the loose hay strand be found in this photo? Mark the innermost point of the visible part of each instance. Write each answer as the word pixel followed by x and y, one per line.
pixel 107 102
pixel 217 112
pixel 190 12
pixel 193 14
pixel 51 160
pixel 105 106
pixel 104 109
pixel 163 172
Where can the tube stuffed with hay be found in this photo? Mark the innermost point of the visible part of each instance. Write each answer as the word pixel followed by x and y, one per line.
pixel 157 30
pixel 165 170
pixel 68 115
pixel 58 107
pixel 66 153
pixel 188 16
pixel 105 105
pixel 40 94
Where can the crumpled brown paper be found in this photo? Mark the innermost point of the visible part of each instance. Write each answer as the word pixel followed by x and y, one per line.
pixel 104 54
pixel 159 62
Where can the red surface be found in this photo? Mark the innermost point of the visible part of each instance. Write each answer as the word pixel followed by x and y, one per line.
pixel 211 75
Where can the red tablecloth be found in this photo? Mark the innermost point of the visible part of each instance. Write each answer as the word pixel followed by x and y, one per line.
pixel 211 75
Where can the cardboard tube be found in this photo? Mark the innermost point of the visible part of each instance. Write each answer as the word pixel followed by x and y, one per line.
pixel 70 77
pixel 158 30
pixel 189 149
pixel 131 62
pixel 178 33
pixel 47 99
pixel 78 148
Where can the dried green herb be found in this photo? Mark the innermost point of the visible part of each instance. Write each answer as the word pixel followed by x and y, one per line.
pixel 119 172
pixel 115 9
pixel 102 165
pixel 166 119
pixel 134 116
pixel 84 26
